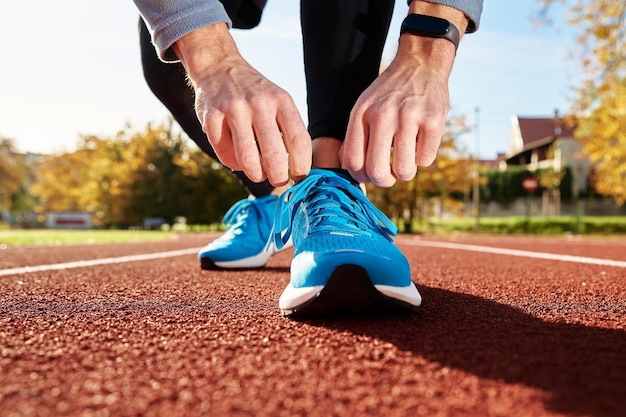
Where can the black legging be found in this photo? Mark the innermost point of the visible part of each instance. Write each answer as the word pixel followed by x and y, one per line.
pixel 343 43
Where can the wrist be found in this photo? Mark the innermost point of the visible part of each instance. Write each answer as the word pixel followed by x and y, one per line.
pixel 452 15
pixel 203 49
pixel 431 27
pixel 437 53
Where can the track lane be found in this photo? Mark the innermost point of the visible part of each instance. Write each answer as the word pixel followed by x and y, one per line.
pixel 595 246
pixel 497 335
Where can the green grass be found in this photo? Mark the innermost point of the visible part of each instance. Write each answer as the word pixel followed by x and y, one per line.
pixel 58 237
pixel 536 225
pixel 493 225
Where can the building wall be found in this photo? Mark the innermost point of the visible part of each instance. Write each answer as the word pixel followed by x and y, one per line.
pixel 567 208
pixel 68 220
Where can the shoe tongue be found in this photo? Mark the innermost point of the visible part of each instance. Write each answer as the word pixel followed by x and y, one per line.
pixel 337 172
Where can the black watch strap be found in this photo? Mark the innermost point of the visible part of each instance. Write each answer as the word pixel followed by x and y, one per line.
pixel 431 27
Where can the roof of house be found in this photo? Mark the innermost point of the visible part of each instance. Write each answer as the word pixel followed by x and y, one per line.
pixel 493 163
pixel 541 128
pixel 535 133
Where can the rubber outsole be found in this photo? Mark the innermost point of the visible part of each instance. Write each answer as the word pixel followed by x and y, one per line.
pixel 208 265
pixel 349 291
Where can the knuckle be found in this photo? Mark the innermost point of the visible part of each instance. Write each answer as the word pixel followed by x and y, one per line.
pixel 405 172
pixel 275 158
pixel 380 114
pixel 257 102
pixel 380 176
pixel 220 147
pixel 283 98
pixel 235 108
pixel 351 162
pixel 299 139
pixel 247 159
pixel 212 123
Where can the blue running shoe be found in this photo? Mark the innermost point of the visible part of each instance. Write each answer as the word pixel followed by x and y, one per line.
pixel 243 244
pixel 344 259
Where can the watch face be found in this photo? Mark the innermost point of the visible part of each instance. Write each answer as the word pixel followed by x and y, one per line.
pixel 426 24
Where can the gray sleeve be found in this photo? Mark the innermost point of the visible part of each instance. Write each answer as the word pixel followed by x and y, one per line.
pixel 169 20
pixel 472 9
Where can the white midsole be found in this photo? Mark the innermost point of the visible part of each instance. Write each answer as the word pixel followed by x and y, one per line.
pixel 293 297
pixel 251 262
pixel 408 294
pixel 255 261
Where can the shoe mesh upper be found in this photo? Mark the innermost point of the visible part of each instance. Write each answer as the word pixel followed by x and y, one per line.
pixel 325 203
pixel 249 224
pixel 332 223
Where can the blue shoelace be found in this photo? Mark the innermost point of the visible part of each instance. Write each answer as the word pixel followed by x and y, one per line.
pixel 333 204
pixel 235 218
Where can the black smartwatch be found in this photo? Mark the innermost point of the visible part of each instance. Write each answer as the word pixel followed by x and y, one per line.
pixel 431 27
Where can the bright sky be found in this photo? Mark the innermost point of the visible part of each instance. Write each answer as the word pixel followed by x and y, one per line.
pixel 72 67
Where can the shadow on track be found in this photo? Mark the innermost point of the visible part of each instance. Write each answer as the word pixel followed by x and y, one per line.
pixel 582 368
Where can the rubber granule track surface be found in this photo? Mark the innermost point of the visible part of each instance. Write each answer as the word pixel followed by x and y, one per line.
pixel 496 336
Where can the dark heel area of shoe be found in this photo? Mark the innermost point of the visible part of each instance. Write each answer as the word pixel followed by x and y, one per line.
pixel 350 291
pixel 208 265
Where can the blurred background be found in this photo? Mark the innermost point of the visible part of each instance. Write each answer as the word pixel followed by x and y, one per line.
pixel 536 129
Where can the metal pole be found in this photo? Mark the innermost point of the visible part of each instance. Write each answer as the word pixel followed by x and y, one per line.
pixel 528 203
pixel 476 185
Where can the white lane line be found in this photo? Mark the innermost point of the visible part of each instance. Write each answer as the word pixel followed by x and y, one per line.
pixel 94 262
pixel 516 252
pixel 432 244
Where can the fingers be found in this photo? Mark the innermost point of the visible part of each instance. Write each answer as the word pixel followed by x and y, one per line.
pixel 354 148
pixel 246 150
pixel 378 159
pixel 296 139
pixel 404 147
pixel 428 141
pixel 390 145
pixel 366 151
pixel 262 139
pixel 270 152
pixel 216 128
pixel 370 141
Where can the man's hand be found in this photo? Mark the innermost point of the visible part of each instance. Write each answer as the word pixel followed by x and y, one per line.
pixel 396 125
pixel 253 125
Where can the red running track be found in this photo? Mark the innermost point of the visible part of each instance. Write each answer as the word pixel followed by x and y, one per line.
pixel 499 334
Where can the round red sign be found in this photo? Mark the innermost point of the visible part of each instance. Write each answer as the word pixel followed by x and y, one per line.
pixel 530 184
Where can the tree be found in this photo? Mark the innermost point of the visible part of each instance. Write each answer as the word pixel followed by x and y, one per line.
pixel 134 175
pixel 75 181
pixel 550 181
pixel 14 180
pixel 600 107
pixel 159 176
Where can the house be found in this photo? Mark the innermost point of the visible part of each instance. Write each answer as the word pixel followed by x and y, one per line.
pixel 492 164
pixel 543 142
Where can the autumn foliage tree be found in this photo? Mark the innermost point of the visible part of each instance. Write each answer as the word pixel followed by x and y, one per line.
pixel 71 181
pixel 600 107
pixel 13 178
pixel 134 175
